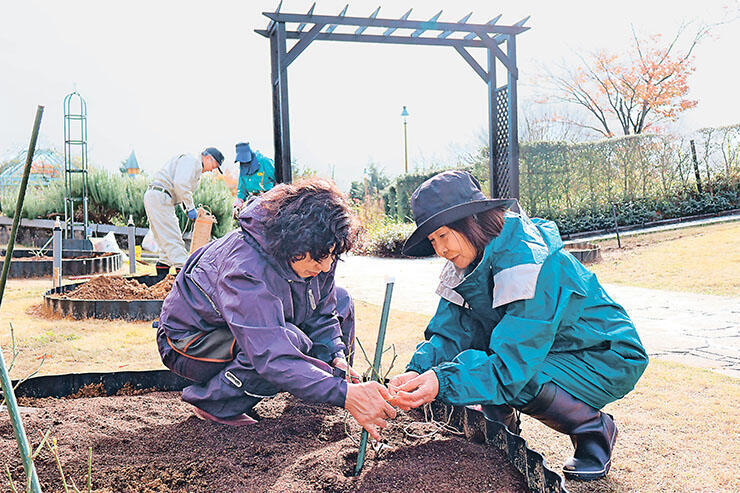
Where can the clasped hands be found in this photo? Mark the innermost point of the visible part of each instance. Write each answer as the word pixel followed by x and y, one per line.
pixel 371 404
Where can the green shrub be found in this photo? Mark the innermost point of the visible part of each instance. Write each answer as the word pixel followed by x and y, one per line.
pixel 214 195
pixel 112 197
pixel 397 196
pixel 384 239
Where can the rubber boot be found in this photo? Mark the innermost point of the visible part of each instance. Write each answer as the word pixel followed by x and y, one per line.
pixel 592 432
pixel 162 271
pixel 504 414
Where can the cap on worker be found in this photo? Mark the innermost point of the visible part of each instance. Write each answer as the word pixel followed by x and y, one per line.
pixel 215 154
pixel 244 153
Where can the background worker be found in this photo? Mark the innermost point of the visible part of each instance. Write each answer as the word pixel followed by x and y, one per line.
pixel 256 174
pixel 175 184
pixel 521 324
pixel 257 312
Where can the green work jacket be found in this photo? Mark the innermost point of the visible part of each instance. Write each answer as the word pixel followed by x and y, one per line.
pixel 528 312
pixel 256 177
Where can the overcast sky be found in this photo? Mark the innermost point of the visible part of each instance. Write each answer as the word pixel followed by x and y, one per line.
pixel 165 77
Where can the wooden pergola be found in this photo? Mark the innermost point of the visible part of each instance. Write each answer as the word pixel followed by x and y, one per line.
pixel 460 35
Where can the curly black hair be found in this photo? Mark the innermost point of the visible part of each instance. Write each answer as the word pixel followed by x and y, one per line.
pixel 311 216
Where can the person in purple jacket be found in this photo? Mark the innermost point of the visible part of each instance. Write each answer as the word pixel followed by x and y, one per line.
pixel 257 312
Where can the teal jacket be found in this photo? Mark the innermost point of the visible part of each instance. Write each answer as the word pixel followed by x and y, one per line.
pixel 256 176
pixel 529 312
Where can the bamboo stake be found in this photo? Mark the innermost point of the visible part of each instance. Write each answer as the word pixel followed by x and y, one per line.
pixel 376 363
pixel 15 417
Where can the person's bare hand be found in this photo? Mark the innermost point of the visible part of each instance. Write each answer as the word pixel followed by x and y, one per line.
pixel 399 380
pixel 367 403
pixel 352 375
pixel 416 391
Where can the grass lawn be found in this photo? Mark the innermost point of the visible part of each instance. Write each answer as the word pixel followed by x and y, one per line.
pixel 701 259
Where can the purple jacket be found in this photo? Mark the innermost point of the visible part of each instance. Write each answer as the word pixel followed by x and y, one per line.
pixel 233 282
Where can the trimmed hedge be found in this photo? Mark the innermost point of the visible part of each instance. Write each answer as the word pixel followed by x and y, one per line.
pixel 397 196
pixel 723 195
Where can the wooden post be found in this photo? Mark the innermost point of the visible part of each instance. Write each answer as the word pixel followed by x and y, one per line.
pixel 275 87
pixel 513 121
pixel 57 254
pixel 696 166
pixel 131 245
pixel 492 125
pixel 284 114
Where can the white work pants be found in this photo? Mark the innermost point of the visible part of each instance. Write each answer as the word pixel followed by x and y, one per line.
pixel 164 226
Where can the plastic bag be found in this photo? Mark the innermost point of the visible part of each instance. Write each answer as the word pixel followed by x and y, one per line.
pixel 148 243
pixel 107 243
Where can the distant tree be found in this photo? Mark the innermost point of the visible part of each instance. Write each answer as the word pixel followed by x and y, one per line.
pixel 632 91
pixel 374 180
pixel 544 123
pixel 299 172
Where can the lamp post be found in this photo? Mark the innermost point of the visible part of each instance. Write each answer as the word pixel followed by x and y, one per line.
pixel 405 114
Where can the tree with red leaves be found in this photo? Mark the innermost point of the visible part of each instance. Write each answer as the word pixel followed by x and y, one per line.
pixel 634 90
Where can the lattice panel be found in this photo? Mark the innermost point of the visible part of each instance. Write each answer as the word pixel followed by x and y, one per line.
pixel 501 156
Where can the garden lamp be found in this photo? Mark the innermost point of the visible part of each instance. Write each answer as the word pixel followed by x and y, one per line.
pixel 405 115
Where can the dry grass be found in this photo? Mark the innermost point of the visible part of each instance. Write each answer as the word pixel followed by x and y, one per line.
pixel 702 259
pixel 74 346
pixel 678 431
pixel 70 345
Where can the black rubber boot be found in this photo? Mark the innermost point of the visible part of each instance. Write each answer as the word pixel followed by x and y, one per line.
pixel 504 414
pixel 592 432
pixel 162 271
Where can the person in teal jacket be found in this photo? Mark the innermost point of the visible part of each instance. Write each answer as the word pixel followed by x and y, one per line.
pixel 521 324
pixel 256 174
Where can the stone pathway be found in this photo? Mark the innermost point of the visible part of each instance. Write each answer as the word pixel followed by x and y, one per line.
pixel 700 330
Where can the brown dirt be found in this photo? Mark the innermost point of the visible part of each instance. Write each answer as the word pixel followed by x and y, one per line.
pixel 153 443
pixel 120 288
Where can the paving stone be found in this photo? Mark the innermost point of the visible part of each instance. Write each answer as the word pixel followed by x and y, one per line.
pixel 702 330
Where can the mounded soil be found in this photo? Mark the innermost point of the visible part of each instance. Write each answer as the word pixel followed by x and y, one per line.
pixel 120 288
pixel 153 443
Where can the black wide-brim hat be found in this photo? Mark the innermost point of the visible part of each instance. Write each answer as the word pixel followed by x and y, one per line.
pixel 443 199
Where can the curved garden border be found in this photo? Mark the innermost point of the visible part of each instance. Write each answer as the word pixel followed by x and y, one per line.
pixel 74 263
pixel 530 464
pixel 108 309
pixel 585 252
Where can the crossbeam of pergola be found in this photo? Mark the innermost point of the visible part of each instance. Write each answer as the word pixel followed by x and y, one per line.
pixel 460 35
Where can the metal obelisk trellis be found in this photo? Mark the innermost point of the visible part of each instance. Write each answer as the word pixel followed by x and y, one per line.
pixel 75 162
pixel 461 35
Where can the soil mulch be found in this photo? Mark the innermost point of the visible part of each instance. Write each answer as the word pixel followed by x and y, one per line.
pixel 120 288
pixel 153 443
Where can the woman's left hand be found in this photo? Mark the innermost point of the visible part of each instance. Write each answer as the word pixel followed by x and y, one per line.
pixel 417 392
pixel 352 375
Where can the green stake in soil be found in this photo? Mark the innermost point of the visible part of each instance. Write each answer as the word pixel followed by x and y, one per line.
pixel 376 363
pixel 15 416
